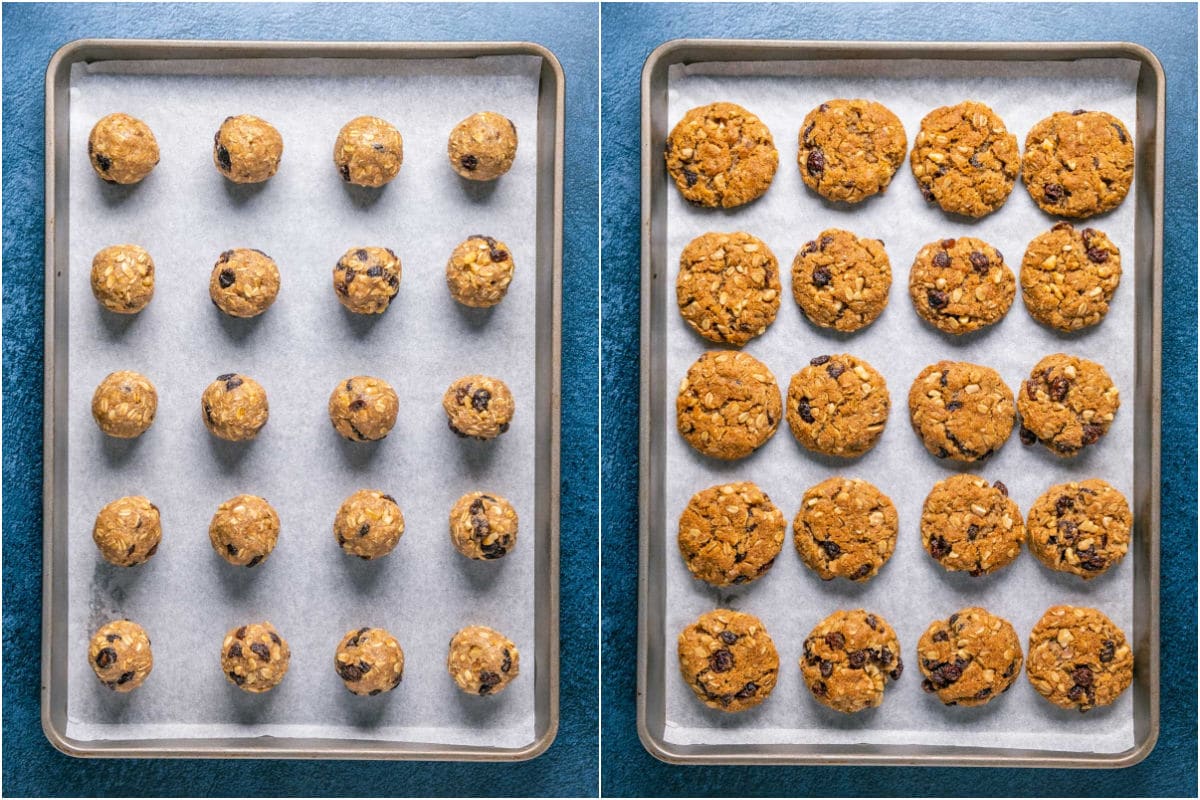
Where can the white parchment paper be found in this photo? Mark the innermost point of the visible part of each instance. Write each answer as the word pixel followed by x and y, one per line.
pixel 911 590
pixel 186 214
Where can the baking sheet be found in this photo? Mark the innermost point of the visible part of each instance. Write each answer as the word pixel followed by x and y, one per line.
pixel 185 214
pixel 911 590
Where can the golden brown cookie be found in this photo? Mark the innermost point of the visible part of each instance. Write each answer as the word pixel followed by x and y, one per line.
pixel 721 155
pixel 235 407
pixel 841 281
pixel 728 287
pixel 122 149
pixel 965 160
pixel 247 149
pixel 123 278
pixel 849 658
pixel 478 407
pixel 728 660
pixel 483 526
pixel 849 149
pixel 1066 404
pixel 255 657
pixel 124 404
pixel 368 524
pixel 120 655
pixel 728 404
pixel 479 271
pixel 730 534
pixel 1081 527
pixel 482 661
pixel 845 528
pixel 970 658
pixel 838 405
pixel 482 147
pixel 363 409
pixel 1078 163
pixel 961 285
pixel 368 151
pixel 244 530
pixel 961 411
pixel 369 661
pixel 1068 277
pixel 1078 658
pixel 972 526
pixel 365 279
pixel 243 283
pixel 127 531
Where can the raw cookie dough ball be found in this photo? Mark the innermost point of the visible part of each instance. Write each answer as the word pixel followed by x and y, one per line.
pixel 728 659
pixel 961 285
pixel 244 283
pixel 122 149
pixel 123 278
pixel 721 156
pixel 730 534
pixel 255 657
pixel 961 411
pixel 368 151
pixel 1067 404
pixel 1068 277
pixel 124 404
pixel 971 526
pixel 478 407
pixel 728 405
pixel 728 287
pixel 120 655
pixel 366 279
pixel 247 149
pixel 368 524
pixel 482 661
pixel 244 530
pixel 235 407
pixel 369 661
pixel 483 526
pixel 841 281
pixel 848 659
pixel 965 159
pixel 849 149
pixel 1079 163
pixel 363 409
pixel 845 528
pixel 838 405
pixel 969 658
pixel 1080 527
pixel 479 271
pixel 482 147
pixel 1078 658
pixel 127 531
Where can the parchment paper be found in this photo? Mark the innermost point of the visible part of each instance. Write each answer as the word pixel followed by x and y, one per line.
pixel 185 214
pixel 911 590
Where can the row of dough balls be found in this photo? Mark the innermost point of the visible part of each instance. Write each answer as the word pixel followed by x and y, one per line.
pixel 245 282
pixel 1076 164
pixel 362 408
pixel 247 149
pixel 255 658
pixel 245 529
pixel 1078 659
pixel 728 286
pixel 731 534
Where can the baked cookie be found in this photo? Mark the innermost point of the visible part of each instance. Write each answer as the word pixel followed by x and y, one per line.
pixel 961 285
pixel 127 531
pixel 482 661
pixel 849 658
pixel 482 147
pixel 1081 527
pixel 1078 658
pixel 369 661
pixel 730 534
pixel 368 524
pixel 970 658
pixel 483 526
pixel 363 409
pixel 728 404
pixel 841 281
pixel 1078 163
pixel 120 655
pixel 244 283
pixel 969 525
pixel 365 279
pixel 961 411
pixel 244 530
pixel 849 149
pixel 234 407
pixel 247 149
pixel 837 405
pixel 122 149
pixel 479 271
pixel 728 660
pixel 1066 404
pixel 721 155
pixel 728 287
pixel 124 404
pixel 965 160
pixel 478 407
pixel 1068 277
pixel 845 528
pixel 368 151
pixel 255 657
pixel 123 278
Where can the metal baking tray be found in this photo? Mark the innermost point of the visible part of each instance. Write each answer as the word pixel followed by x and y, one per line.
pixel 656 664
pixel 544 530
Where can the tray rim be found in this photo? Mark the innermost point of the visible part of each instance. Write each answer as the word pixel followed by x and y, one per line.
pixel 660 58
pixel 264 747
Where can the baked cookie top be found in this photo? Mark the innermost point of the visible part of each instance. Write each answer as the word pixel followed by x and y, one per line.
pixel 841 281
pixel 1080 527
pixel 721 155
pixel 970 525
pixel 838 405
pixel 1068 277
pixel 1078 163
pixel 961 411
pixel 1067 403
pixel 728 287
pixel 728 405
pixel 849 658
pixel 728 660
pixel 970 658
pixel 964 159
pixel 845 528
pixel 1078 658
pixel 849 149
pixel 961 285
pixel 730 534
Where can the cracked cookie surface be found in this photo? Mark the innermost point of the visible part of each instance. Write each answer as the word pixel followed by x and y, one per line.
pixel 961 411
pixel 124 404
pixel 969 525
pixel 247 149
pixel 721 155
pixel 363 409
pixel 728 287
pixel 845 528
pixel 730 534
pixel 1078 658
pixel 1068 277
pixel 961 285
pixel 841 281
pixel 1078 163
pixel 1067 403
pixel 728 404
pixel 123 278
pixel 365 279
pixel 255 657
pixel 122 149
pixel 482 661
pixel 970 658
pixel 728 659
pixel 478 407
pixel 244 530
pixel 964 159
pixel 837 405
pixel 120 655
pixel 368 524
pixel 1080 527
pixel 234 407
pixel 483 526
pixel 849 658
pixel 128 531
pixel 369 661
pixel 849 149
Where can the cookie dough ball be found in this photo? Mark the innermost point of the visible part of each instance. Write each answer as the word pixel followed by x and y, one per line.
pixel 1067 404
pixel 970 658
pixel 845 528
pixel 255 657
pixel 961 285
pixel 841 281
pixel 728 405
pixel 247 149
pixel 366 279
pixel 728 287
pixel 849 149
pixel 368 152
pixel 721 156
pixel 368 524
pixel 1080 527
pixel 123 278
pixel 1068 277
pixel 244 283
pixel 235 407
pixel 122 149
pixel 961 411
pixel 363 409
pixel 244 530
pixel 730 534
pixel 369 661
pixel 478 407
pixel 1078 163
pixel 482 147
pixel 838 405
pixel 1078 658
pixel 120 655
pixel 728 660
pixel 969 525
pixel 124 404
pixel 965 160
pixel 127 531
pixel 482 661
pixel 483 526
pixel 849 658
pixel 479 271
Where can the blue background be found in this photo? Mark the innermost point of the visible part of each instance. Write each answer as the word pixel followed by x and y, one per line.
pixel 31 35
pixel 628 34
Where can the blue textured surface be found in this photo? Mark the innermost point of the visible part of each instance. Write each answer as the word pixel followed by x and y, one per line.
pixel 31 35
pixel 628 34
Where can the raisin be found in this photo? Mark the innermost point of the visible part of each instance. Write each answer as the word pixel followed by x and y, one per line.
pixel 469 162
pixel 233 383
pixel 235 650
pixel 223 159
pixel 898 671
pixel 240 632
pixel 941 259
pixel 275 637
pixel 807 132
pixel 872 622
pixel 356 405
pixel 261 650
pixel 1107 651
pixel 984 692
pixel 941 636
pixel 821 277
pixel 728 637
pixel 480 400
pixel 1091 433
pixel 819 360
pixel 227 376
pixel 1059 386
pixel 835 370
pixel 106 658
pixel 364 529
pixel 1053 192
pixel 238 679
pixel 749 690
pixel 1082 676
pixel 344 170
pixel 254 562
pixel 1096 255
pixel 1026 436
pixel 126 677
pixel 861 572
pixel 349 672
pixel 689 177
pixel 939 548
pixel 1000 487
pixel 953 405
pixel 972 532
pixel 927 194
pixel 375 272
pixel 938 299
pixel 857 659
pixel 1063 504
pixel 815 162
pixel 1120 132
pixel 721 661
pixel 820 689
pixel 113 637
pixel 226 278
pixel 231 549
pixel 979 261
pixel 506 665
pixel 826 668
pixel 104 161
pixel 835 640
pixel 805 410
pixel 832 550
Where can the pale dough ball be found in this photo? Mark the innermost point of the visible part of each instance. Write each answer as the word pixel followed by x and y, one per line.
pixel 366 279
pixel 482 147
pixel 368 524
pixel 363 409
pixel 482 661
pixel 483 526
pixel 479 271
pixel 478 407
pixel 368 151
pixel 128 531
pixel 123 278
pixel 255 657
pixel 244 530
pixel 244 283
pixel 120 655
pixel 369 661
pixel 235 407
pixel 124 404
pixel 247 149
pixel 122 149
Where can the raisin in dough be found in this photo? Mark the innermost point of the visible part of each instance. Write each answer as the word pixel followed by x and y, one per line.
pixel 255 657
pixel 368 152
pixel 244 530
pixel 369 661
pixel 369 524
pixel 244 283
pixel 729 660
pixel 127 531
pixel 482 147
pixel 247 149
pixel 482 661
pixel 120 655
pixel 365 279
pixel 235 407
pixel 483 526
pixel 122 149
pixel 363 409
pixel 478 407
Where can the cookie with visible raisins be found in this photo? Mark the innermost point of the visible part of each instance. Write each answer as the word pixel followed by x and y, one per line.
pixel 721 156
pixel 838 405
pixel 1079 163
pixel 728 659
pixel 728 404
pixel 848 659
pixel 365 279
pixel 965 160
pixel 961 285
pixel 845 528
pixel 730 534
pixel 969 525
pixel 970 658
pixel 1068 277
pixel 841 281
pixel 478 407
pixel 1078 658
pixel 1080 527
pixel 849 149
pixel 961 411
pixel 1067 403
